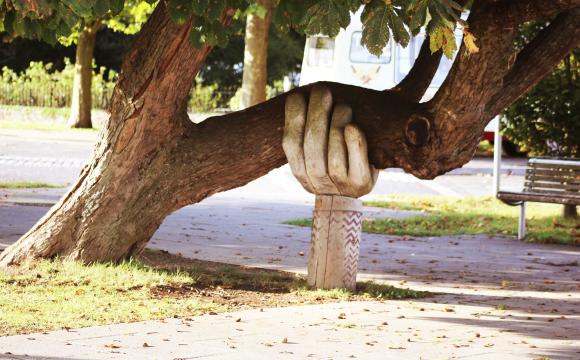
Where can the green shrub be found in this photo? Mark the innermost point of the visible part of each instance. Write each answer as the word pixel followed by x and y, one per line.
pixel 235 102
pixel 41 85
pixel 204 98
pixel 546 121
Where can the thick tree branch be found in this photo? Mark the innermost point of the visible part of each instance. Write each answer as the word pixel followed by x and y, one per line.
pixel 455 118
pixel 414 85
pixel 537 59
pixel 475 78
pixel 520 11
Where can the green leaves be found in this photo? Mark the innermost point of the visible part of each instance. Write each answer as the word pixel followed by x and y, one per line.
pixel 417 15
pixel 386 19
pixel 288 14
pixel 376 32
pixel 180 11
pixel 382 19
pixel 443 38
pixel 546 120
pixel 50 20
pixel 327 17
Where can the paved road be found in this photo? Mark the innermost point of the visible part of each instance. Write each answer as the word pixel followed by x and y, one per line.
pixel 57 157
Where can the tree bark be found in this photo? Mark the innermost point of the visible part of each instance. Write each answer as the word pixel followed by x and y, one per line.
pixel 126 190
pixel 152 160
pixel 81 100
pixel 255 76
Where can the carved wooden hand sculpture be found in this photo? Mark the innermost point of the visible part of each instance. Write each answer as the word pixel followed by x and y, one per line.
pixel 328 155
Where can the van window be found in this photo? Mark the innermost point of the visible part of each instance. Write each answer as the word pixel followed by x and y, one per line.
pixel 360 54
pixel 320 51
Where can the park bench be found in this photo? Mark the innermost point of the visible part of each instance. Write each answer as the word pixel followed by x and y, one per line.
pixel 547 180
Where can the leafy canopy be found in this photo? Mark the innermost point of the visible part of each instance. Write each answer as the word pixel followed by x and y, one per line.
pixel 382 19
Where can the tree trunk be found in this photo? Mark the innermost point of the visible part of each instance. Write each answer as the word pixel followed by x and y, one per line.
pixel 127 189
pixel 151 159
pixel 570 211
pixel 255 75
pixel 81 100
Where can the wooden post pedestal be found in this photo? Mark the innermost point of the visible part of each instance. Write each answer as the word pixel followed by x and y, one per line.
pixel 334 246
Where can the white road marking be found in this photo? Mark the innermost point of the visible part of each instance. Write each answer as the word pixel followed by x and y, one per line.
pixel 41 162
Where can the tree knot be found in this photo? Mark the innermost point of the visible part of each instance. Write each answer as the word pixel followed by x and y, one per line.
pixel 417 130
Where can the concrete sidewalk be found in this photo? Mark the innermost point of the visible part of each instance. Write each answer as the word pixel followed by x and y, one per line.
pixel 361 330
pixel 475 277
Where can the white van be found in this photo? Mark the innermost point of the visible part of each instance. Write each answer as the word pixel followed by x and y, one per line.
pixel 343 59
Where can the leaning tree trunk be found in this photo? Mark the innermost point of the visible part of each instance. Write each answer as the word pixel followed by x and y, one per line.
pixel 255 76
pixel 81 100
pixel 151 159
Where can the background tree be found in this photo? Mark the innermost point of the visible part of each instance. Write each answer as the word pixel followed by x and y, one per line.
pixel 128 21
pixel 546 121
pixel 151 159
pixel 255 73
pixel 224 66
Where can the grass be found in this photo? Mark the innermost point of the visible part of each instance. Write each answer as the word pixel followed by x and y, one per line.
pixel 470 216
pixel 27 185
pixel 502 307
pixel 54 294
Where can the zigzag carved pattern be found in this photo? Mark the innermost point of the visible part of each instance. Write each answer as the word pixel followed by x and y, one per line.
pixel 351 226
pixel 351 230
pixel 350 265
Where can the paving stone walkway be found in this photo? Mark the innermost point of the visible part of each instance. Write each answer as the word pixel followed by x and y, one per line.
pixel 496 298
pixel 361 330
